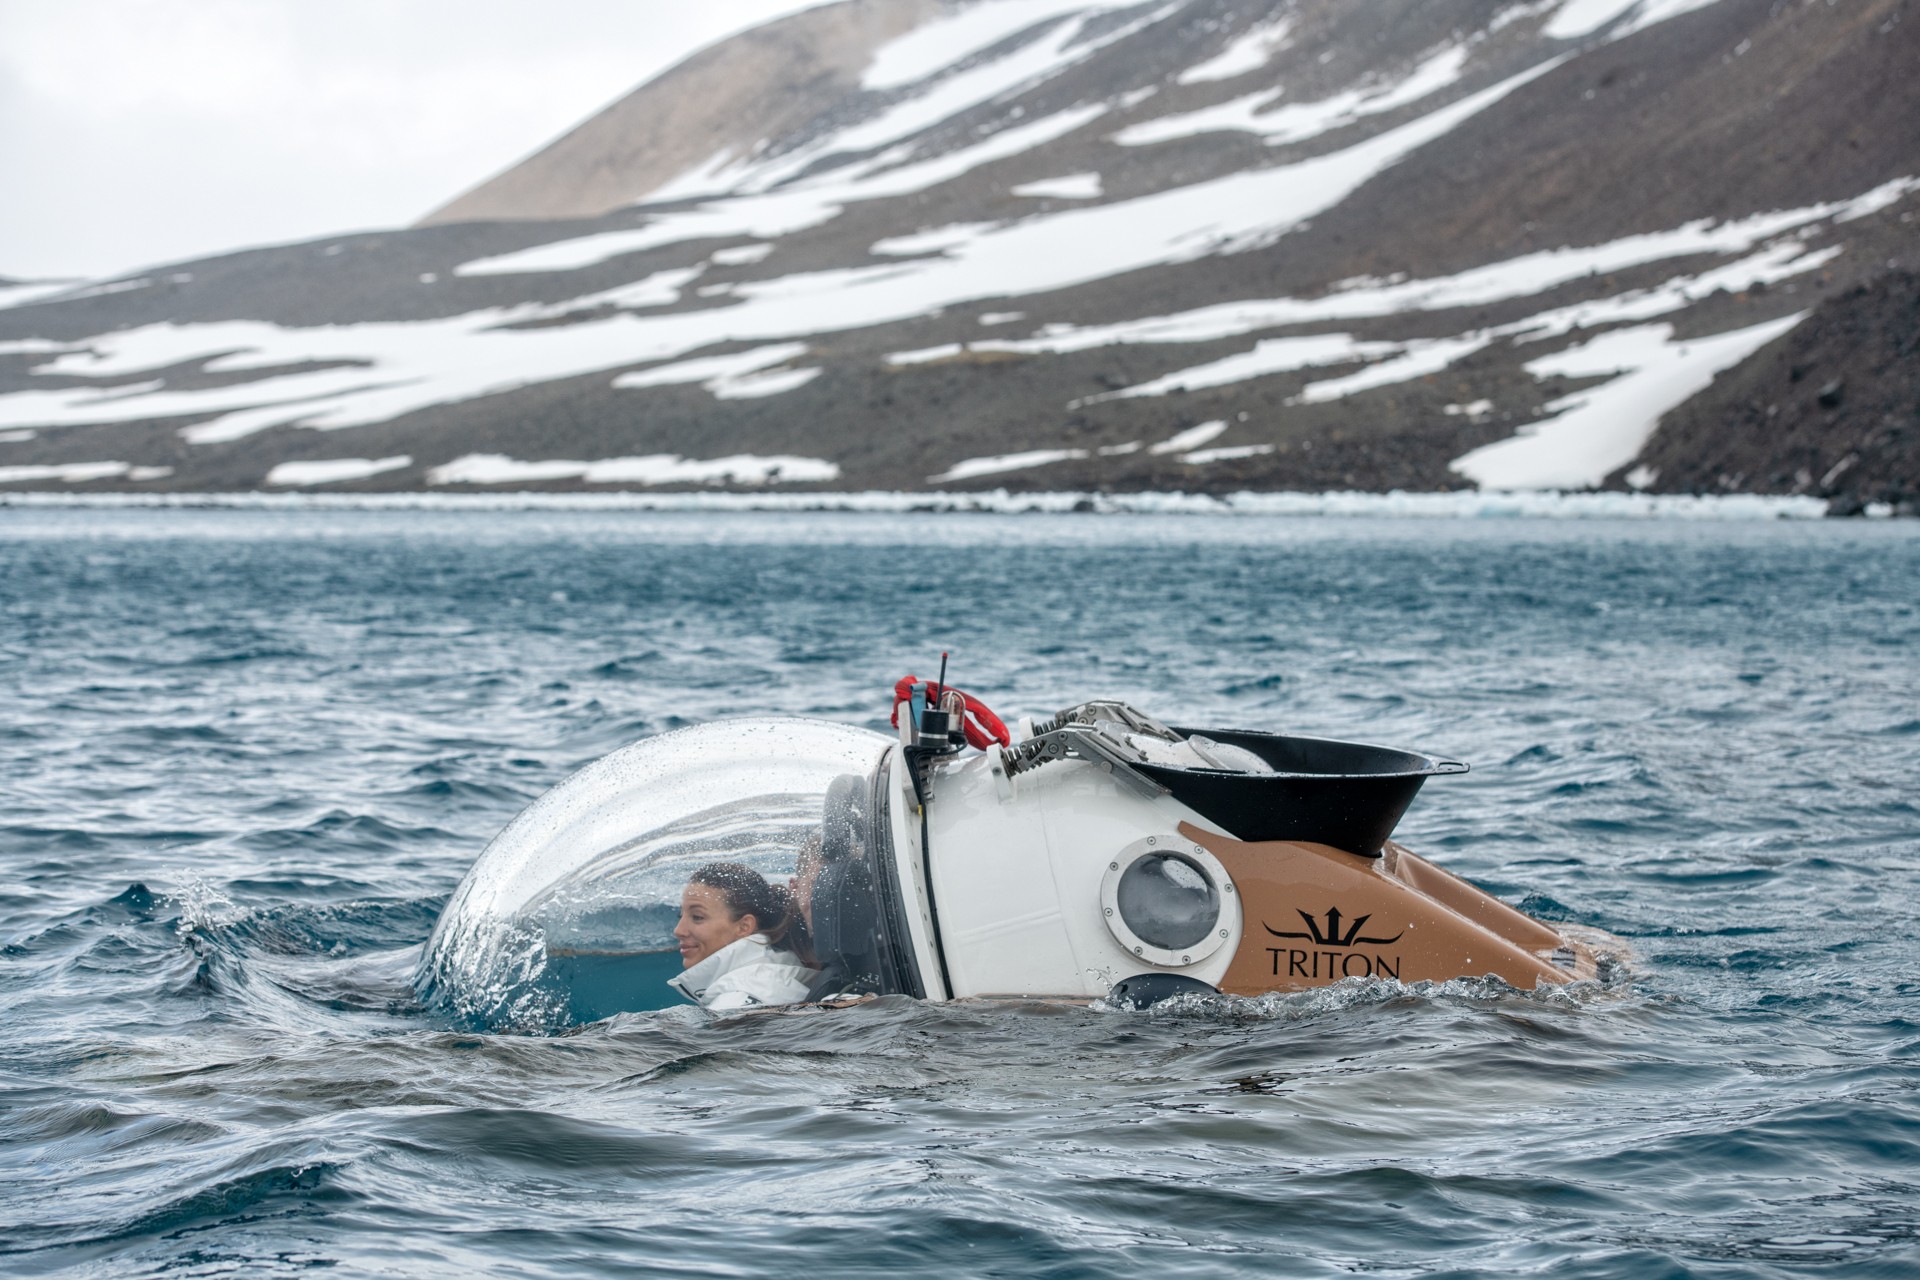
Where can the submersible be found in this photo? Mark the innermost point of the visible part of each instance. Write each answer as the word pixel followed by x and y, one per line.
pixel 1094 853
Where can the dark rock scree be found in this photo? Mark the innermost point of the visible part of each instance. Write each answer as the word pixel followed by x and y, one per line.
pixel 1832 409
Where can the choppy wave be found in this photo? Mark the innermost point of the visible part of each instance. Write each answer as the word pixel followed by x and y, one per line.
pixel 248 754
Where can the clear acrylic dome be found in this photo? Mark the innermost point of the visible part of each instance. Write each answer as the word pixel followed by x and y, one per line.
pixel 595 866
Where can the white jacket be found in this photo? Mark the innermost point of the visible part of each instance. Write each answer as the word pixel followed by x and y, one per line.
pixel 745 974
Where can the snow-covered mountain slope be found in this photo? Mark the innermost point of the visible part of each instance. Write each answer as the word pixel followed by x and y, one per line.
pixel 1083 244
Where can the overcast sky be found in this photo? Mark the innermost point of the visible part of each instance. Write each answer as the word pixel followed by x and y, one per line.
pixel 135 132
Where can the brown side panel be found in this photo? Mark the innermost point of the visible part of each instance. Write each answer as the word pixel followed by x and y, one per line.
pixel 1474 903
pixel 1314 915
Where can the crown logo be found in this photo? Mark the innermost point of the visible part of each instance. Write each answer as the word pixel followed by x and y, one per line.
pixel 1331 936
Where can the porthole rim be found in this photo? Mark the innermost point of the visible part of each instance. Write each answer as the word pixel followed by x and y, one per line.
pixel 1218 933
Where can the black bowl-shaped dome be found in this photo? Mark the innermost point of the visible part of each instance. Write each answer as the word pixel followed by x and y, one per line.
pixel 1346 794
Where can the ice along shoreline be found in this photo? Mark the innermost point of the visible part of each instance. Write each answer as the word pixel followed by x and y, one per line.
pixel 1458 504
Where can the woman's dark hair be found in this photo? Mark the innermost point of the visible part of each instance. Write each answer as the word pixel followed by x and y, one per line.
pixel 747 893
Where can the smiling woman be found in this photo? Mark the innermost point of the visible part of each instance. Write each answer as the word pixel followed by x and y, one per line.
pixel 239 122
pixel 742 941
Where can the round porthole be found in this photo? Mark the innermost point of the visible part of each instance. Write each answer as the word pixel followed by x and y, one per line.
pixel 1168 902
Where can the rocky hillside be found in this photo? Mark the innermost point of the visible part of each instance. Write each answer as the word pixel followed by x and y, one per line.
pixel 1203 245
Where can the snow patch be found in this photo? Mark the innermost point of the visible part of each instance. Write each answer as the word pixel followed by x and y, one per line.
pixel 1077 186
pixel 951 95
pixel 1499 282
pixel 741 255
pixel 1200 457
pixel 78 472
pixel 391 368
pixel 650 469
pixel 334 470
pixel 1881 197
pixel 752 386
pixel 1191 438
pixel 722 376
pixel 661 289
pixel 564 255
pixel 1416 360
pixel 25 294
pixel 949 41
pixel 1602 429
pixel 972 468
pixel 1280 125
pixel 770 215
pixel 1249 51
pixel 1269 356
pixel 70 294
pixel 930 240
pixel 926 355
pixel 1578 19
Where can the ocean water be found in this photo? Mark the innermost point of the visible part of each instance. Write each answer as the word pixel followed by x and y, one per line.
pixel 246 755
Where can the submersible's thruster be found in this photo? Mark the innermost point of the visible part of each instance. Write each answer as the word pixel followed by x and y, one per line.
pixel 1096 853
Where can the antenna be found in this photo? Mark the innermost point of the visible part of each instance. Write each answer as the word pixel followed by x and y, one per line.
pixel 940 685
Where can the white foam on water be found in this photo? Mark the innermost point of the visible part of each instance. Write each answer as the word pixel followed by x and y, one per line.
pixel 1074 186
pixel 1251 50
pixel 1602 429
pixel 334 470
